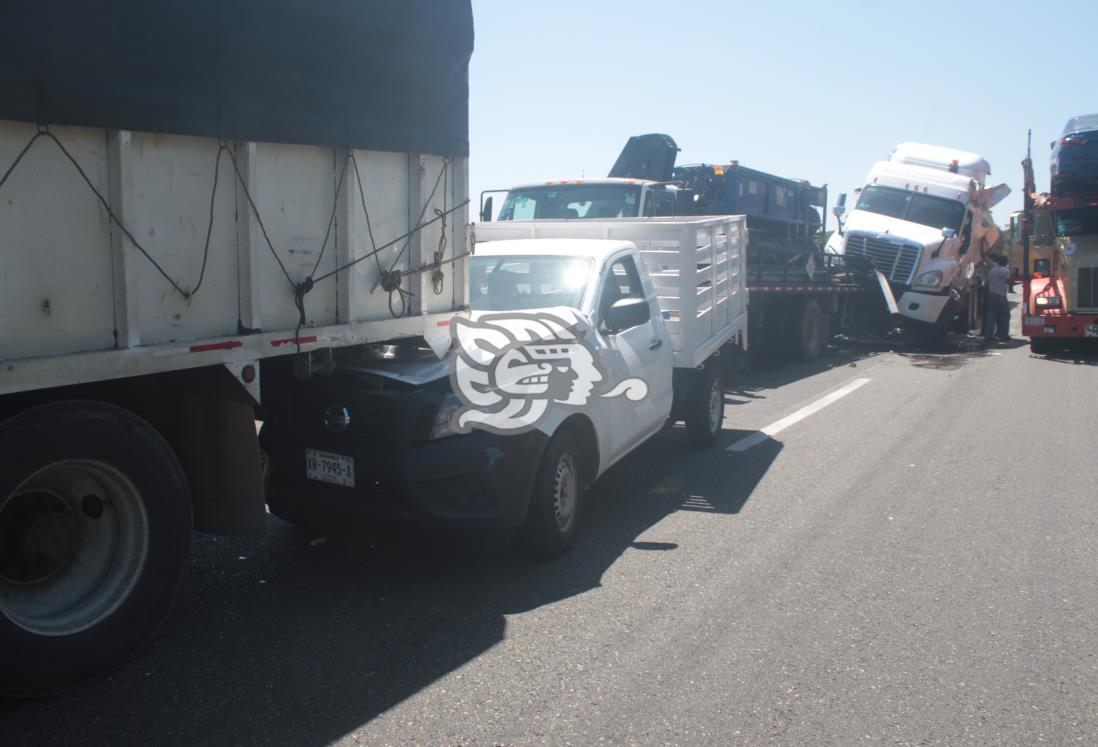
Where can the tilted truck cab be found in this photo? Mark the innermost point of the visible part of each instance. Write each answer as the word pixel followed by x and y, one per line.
pixel 923 218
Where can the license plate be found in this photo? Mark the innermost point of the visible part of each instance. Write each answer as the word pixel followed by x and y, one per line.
pixel 1033 321
pixel 1092 330
pixel 334 468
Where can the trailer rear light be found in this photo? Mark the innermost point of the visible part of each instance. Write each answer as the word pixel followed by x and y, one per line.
pixel 247 374
pixel 1048 302
pixel 1072 140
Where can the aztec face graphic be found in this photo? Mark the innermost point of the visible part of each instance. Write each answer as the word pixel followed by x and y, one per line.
pixel 511 366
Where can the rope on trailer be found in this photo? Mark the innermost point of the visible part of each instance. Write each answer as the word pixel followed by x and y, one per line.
pixel 44 131
pixel 438 279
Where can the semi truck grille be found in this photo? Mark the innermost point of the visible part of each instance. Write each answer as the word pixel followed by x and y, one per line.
pixel 897 261
pixel 1088 288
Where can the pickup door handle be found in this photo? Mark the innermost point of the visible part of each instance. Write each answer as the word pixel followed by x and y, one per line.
pixel 655 344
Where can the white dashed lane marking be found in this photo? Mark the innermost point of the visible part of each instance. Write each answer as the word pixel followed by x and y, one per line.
pixel 777 427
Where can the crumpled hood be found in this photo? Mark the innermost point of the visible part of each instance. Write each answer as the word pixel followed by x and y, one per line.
pixel 415 371
pixel 426 369
pixel 864 221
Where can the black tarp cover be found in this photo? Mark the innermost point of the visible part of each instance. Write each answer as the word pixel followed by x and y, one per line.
pixel 378 74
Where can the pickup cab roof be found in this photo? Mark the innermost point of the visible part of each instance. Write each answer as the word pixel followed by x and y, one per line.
pixel 596 249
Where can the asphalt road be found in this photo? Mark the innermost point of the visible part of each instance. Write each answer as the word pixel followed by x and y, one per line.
pixel 913 563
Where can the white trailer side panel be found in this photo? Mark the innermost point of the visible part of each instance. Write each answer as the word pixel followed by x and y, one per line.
pixel 71 283
pixel 53 298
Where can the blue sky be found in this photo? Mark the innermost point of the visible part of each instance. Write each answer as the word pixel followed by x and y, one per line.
pixel 807 90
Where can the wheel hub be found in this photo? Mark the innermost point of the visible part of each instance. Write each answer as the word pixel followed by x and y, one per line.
pixel 716 406
pixel 37 534
pixel 564 492
pixel 74 537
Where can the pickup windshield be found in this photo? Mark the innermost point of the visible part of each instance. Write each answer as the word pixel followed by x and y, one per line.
pixel 515 283
pixel 936 212
pixel 572 201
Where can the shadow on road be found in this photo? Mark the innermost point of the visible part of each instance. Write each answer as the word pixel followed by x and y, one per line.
pixel 1079 353
pixel 285 641
pixel 754 383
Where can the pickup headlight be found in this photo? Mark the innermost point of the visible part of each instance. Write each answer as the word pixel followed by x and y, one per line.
pixel 929 280
pixel 444 418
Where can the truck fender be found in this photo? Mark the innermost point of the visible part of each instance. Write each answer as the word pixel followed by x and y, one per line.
pixel 585 433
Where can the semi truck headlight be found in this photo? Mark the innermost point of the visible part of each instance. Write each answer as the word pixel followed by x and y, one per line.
pixel 1048 302
pixel 444 418
pixel 930 280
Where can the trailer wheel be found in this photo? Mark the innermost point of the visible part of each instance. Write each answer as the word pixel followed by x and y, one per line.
pixel 807 333
pixel 95 524
pixel 705 406
pixel 557 501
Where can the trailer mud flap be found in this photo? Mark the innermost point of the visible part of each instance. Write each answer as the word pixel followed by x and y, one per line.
pixel 219 452
pixel 886 293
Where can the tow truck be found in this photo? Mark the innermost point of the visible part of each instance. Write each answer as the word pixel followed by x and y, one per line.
pixel 1061 307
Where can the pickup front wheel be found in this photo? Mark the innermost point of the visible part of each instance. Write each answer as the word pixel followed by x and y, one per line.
pixel 705 407
pixel 557 500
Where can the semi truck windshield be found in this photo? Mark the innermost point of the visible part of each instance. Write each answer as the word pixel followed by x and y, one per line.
pixel 571 201
pixel 936 212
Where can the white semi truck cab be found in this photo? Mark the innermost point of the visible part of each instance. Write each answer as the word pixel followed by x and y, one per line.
pixel 923 218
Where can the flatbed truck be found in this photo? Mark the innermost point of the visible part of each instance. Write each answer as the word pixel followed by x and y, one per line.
pixel 799 296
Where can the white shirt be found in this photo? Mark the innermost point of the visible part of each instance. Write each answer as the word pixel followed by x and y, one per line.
pixel 998 280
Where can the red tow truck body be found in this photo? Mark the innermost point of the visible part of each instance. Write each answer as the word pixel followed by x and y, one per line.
pixel 1062 306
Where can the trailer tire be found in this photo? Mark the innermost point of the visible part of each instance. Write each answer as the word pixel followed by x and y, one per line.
pixel 557 500
pixel 1040 345
pixel 705 406
pixel 807 332
pixel 95 526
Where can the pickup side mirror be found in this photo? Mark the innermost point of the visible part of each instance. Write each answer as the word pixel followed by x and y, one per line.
pixel 627 312
pixel 486 210
pixel 949 233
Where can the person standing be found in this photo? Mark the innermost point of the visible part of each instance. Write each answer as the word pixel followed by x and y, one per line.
pixel 997 316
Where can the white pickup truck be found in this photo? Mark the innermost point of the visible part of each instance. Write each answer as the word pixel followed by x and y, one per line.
pixel 659 305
